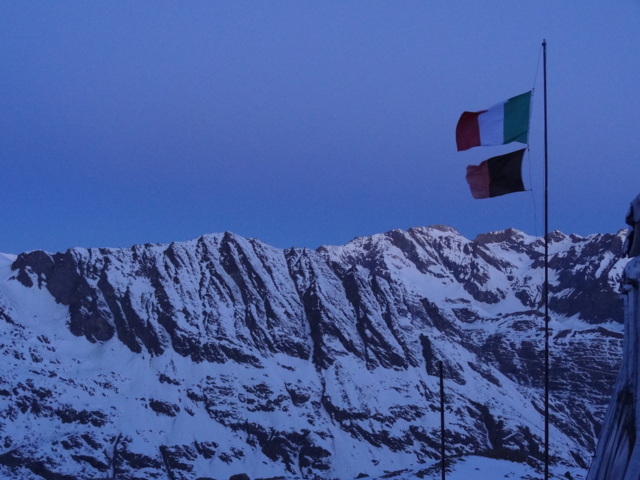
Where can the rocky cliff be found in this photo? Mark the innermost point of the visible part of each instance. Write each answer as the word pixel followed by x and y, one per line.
pixel 224 355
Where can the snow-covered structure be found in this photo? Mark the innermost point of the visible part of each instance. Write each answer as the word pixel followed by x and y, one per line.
pixel 618 452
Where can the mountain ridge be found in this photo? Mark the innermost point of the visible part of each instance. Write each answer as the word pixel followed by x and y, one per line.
pixel 313 358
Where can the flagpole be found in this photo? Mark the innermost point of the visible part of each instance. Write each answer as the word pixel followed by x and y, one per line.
pixel 443 467
pixel 546 270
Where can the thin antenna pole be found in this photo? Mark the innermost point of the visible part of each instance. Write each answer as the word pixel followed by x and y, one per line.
pixel 442 445
pixel 546 270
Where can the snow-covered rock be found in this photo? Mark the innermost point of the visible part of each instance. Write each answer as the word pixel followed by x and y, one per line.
pixel 618 452
pixel 204 359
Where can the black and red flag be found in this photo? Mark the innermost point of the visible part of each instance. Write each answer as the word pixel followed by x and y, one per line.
pixel 497 176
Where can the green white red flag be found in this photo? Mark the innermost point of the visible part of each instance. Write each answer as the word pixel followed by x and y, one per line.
pixel 503 123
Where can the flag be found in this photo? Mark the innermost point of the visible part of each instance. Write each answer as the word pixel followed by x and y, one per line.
pixel 496 176
pixel 501 124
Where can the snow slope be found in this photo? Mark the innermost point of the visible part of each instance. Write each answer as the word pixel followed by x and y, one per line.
pixel 224 355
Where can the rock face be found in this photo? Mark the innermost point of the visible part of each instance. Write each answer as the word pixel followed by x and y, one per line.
pixel 618 452
pixel 224 355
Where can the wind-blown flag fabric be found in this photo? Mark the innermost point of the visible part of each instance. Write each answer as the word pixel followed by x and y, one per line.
pixel 503 123
pixel 497 176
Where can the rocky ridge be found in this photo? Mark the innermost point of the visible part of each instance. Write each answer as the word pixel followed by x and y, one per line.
pixel 223 355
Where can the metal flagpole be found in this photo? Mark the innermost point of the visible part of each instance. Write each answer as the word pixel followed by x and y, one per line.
pixel 546 271
pixel 442 444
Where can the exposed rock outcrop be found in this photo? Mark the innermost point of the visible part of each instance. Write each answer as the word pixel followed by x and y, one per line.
pixel 223 355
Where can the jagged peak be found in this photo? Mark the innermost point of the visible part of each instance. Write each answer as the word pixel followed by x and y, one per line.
pixel 332 333
pixel 228 236
pixel 435 231
pixel 427 231
pixel 500 236
pixel 557 236
pixel 437 228
pixel 430 231
pixel 621 234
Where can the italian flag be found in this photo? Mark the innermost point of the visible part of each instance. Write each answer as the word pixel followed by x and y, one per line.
pixel 503 123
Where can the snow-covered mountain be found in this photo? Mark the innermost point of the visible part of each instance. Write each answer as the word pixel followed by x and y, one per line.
pixel 204 359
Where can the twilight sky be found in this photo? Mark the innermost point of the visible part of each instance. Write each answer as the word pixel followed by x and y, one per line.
pixel 304 123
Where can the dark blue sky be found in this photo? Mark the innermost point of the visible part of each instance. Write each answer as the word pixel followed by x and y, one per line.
pixel 303 123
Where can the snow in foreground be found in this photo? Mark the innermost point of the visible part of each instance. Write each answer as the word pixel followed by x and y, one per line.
pixel 477 468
